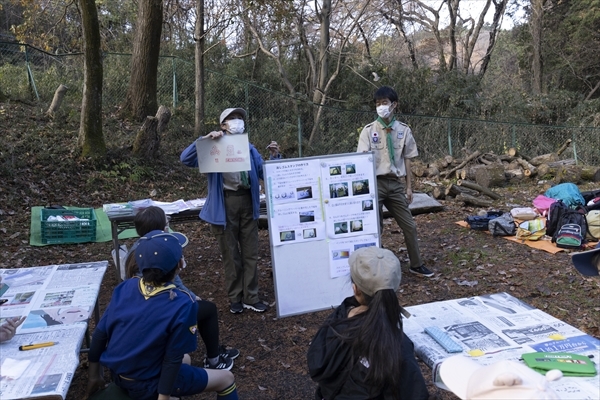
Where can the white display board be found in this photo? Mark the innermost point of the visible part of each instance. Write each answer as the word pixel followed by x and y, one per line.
pixel 320 209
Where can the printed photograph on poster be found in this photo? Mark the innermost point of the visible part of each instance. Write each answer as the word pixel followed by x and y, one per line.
pixel 287 236
pixel 310 233
pixel 304 193
pixel 338 190
pixel 360 187
pixel 297 222
pixel 346 179
pixel 367 205
pixel 297 181
pixel 350 217
pixel 340 250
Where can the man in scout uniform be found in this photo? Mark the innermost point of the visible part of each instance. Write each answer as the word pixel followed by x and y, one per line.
pixel 393 146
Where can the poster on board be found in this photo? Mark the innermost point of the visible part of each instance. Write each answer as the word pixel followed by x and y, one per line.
pixel 320 210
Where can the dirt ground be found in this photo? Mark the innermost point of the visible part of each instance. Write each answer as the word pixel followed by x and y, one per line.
pixel 39 167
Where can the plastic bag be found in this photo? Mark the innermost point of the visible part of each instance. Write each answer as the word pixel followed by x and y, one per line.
pixel 532 230
pixel 504 225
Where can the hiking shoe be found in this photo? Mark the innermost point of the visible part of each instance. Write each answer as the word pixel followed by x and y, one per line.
pixel 236 308
pixel 421 271
pixel 256 307
pixel 231 353
pixel 223 363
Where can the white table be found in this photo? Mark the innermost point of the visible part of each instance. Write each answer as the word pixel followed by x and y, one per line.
pixel 58 301
pixel 498 327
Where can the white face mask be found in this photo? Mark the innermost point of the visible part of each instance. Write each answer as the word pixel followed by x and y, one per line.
pixel 384 111
pixel 236 126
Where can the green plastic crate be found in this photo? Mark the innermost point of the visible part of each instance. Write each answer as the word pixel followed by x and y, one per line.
pixel 56 232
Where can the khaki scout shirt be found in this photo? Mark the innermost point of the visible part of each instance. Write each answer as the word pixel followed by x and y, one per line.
pixel 372 138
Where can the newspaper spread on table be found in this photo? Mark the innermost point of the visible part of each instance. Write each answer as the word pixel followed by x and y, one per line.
pixel 499 326
pixel 57 301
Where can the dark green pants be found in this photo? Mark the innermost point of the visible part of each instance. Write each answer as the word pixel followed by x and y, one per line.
pixel 238 242
pixel 392 194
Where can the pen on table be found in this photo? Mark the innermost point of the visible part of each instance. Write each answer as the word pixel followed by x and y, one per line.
pixel 36 345
pixel 2 301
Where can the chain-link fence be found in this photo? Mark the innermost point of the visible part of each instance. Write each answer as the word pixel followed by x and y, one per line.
pixel 301 127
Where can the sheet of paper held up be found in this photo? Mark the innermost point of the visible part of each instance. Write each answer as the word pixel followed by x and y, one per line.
pixel 229 153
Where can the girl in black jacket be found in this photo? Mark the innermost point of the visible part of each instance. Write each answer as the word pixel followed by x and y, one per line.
pixel 361 352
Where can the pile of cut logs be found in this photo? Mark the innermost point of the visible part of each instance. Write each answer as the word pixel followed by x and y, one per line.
pixel 477 172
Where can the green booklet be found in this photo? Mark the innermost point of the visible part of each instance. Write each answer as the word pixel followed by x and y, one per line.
pixel 570 364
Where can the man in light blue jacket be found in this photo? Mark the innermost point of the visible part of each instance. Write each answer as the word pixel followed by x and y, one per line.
pixel 232 210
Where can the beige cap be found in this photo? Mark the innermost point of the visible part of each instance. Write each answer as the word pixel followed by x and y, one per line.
pixel 229 111
pixel 373 269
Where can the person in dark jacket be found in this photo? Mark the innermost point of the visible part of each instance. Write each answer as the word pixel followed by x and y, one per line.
pixel 360 352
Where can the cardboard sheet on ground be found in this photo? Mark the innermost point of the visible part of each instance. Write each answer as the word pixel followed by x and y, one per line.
pixel 103 231
pixel 541 244
pixel 229 153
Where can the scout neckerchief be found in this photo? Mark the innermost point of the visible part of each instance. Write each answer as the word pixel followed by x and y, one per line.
pixel 150 290
pixel 388 137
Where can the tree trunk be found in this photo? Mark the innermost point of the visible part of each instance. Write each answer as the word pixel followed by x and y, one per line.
pixel 141 100
pixel 59 95
pixel 199 127
pixel 537 12
pixel 91 138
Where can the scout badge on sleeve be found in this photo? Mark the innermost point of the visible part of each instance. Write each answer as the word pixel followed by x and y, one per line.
pixel 374 137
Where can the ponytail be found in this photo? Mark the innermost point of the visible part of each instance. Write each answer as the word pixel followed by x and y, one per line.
pixel 378 339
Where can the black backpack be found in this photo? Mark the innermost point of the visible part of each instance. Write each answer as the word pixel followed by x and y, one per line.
pixel 572 217
pixel 557 209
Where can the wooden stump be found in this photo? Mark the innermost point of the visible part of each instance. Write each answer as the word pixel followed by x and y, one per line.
pixel 490 175
pixel 59 95
pixel 568 173
pixel 147 140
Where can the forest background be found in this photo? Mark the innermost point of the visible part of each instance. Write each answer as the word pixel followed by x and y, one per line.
pixel 476 74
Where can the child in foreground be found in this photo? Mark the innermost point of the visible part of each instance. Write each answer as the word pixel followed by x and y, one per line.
pixel 217 356
pixel 147 329
pixel 361 351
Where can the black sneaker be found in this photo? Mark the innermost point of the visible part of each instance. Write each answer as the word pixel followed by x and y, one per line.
pixel 231 353
pixel 256 307
pixel 236 308
pixel 421 271
pixel 223 363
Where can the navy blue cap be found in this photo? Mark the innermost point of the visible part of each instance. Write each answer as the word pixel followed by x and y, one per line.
pixel 159 249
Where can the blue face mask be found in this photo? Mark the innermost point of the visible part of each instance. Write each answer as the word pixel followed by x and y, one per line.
pixel 235 126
